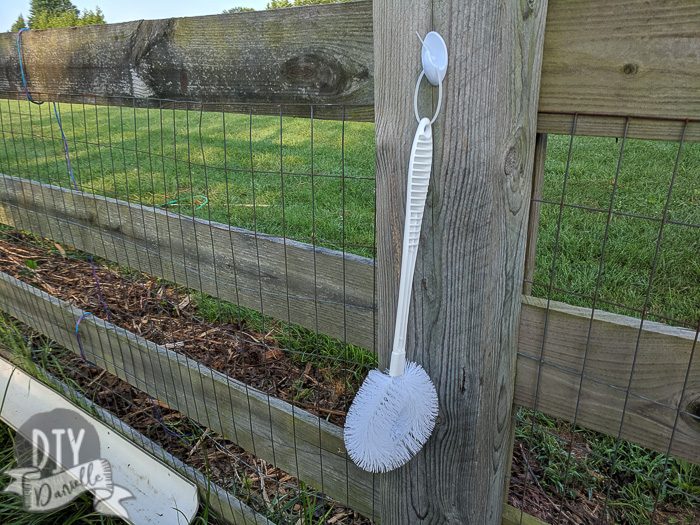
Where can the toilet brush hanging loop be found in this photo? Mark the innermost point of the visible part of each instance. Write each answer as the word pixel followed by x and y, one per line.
pixel 415 99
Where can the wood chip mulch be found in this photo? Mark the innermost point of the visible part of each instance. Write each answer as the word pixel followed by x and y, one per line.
pixel 167 315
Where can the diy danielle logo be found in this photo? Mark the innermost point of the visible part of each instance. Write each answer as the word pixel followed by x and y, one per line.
pixel 58 458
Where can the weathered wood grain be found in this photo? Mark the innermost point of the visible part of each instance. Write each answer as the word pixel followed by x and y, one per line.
pixel 664 385
pixel 290 438
pixel 313 55
pixel 622 57
pixel 282 278
pixel 612 126
pixel 464 320
pixel 533 222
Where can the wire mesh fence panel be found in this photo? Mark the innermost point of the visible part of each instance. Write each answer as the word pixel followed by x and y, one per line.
pixel 202 278
pixel 618 238
pixel 205 277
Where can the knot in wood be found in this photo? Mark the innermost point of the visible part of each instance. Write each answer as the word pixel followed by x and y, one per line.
pixel 316 74
pixel 514 170
pixel 630 69
pixel 528 8
pixel 512 166
pixel 511 162
pixel 692 413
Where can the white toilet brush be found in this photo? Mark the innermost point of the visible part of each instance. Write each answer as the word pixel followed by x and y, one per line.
pixel 394 414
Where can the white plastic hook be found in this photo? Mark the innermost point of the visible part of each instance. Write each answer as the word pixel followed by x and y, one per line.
pixel 434 57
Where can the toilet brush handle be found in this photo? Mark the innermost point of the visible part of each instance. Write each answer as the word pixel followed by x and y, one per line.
pixel 419 168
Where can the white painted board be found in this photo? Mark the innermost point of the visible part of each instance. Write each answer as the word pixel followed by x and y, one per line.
pixel 160 495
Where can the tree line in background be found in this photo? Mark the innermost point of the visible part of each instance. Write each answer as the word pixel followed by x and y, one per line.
pixel 44 14
pixel 280 4
pixel 57 13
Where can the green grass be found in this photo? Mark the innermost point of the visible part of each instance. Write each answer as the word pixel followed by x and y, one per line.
pixel 636 480
pixel 642 189
pixel 154 158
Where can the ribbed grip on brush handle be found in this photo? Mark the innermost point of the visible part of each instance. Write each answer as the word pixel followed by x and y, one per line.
pixel 419 168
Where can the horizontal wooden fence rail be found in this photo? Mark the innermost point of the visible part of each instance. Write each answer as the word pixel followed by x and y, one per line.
pixel 288 437
pixel 661 355
pixel 317 288
pixel 317 55
pixel 661 409
pixel 603 59
pixel 614 126
pixel 622 57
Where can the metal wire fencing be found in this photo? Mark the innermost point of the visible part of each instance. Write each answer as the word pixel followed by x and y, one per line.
pixel 201 277
pixel 234 243
pixel 618 237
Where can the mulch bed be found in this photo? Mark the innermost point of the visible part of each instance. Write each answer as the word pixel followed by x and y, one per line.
pixel 167 315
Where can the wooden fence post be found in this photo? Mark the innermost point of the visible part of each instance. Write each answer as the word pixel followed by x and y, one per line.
pixel 467 290
pixel 533 222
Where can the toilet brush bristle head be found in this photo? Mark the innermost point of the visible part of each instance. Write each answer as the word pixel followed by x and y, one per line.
pixel 390 419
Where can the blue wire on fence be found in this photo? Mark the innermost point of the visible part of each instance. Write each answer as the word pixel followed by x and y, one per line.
pixel 21 67
pixel 66 152
pixel 158 416
pixel 77 336
pixel 29 97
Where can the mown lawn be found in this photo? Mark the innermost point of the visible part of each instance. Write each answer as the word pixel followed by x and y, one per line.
pixel 264 174
pixel 257 172
pixel 641 188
